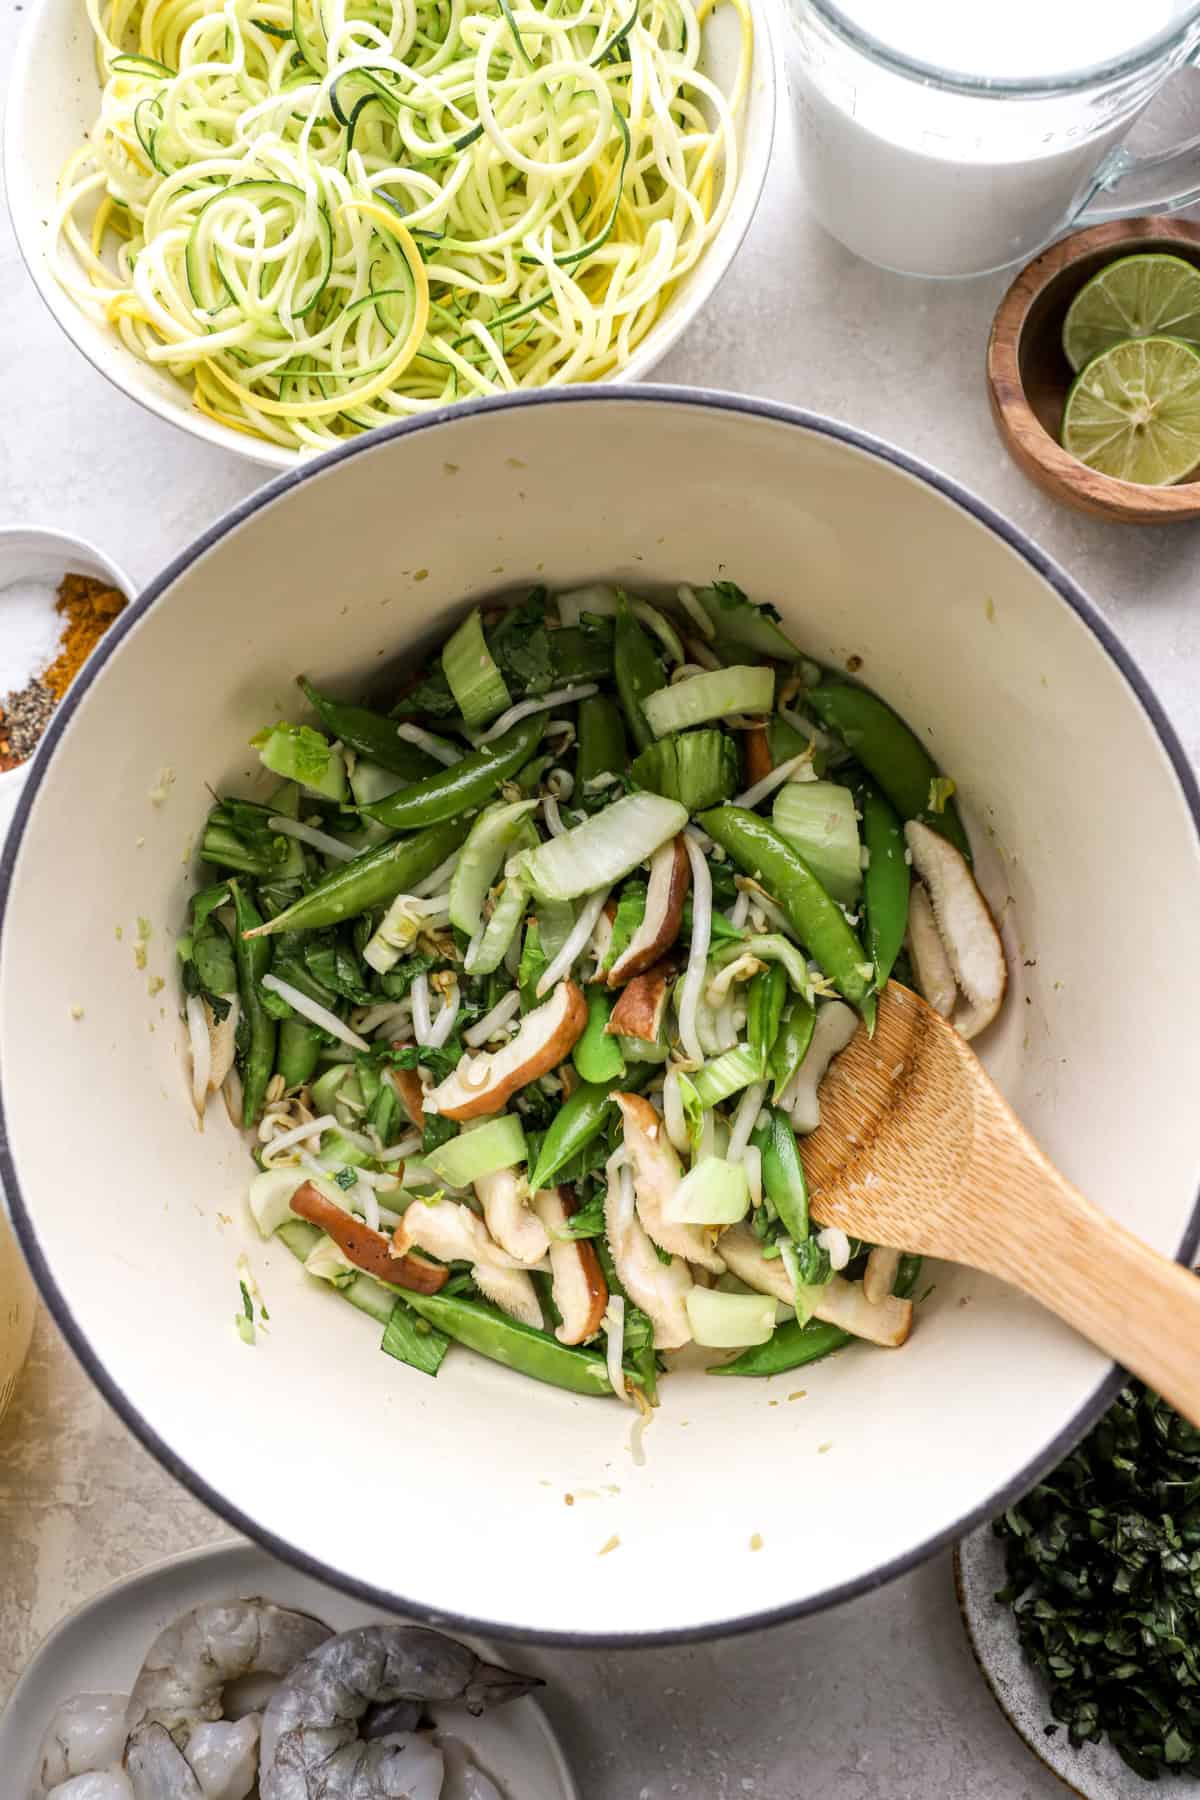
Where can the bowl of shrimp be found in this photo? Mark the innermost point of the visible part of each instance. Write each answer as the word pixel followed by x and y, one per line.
pixel 303 1694
pixel 389 1247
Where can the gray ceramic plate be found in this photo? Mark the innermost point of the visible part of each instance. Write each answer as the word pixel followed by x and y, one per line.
pixel 100 1648
pixel 1094 1771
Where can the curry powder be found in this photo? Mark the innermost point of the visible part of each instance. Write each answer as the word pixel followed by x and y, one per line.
pixel 88 608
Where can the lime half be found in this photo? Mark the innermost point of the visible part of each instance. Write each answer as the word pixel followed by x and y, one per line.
pixel 1134 412
pixel 1137 296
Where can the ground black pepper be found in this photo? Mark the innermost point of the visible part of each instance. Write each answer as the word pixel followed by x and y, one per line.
pixel 25 716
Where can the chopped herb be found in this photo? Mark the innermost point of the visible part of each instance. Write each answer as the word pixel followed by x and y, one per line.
pixel 1104 1579
pixel 431 697
pixel 438 1131
pixel 440 1060
pixel 588 1222
pixel 729 597
pixel 346 1179
pixel 397 982
pixel 520 645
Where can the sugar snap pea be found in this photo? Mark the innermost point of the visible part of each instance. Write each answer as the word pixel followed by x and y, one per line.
pixel 783 1174
pixel 371 880
pixel 257 1027
pixel 638 672
pixel 371 734
pixel 817 920
pixel 790 1347
pixel 764 1010
pixel 596 1055
pixel 468 784
pixel 886 880
pixel 492 1333
pixel 907 1276
pixel 298 1051
pixel 890 751
pixel 791 1044
pixel 576 1123
pixel 602 748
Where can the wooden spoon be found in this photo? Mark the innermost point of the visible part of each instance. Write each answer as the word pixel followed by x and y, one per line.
pixel 918 1150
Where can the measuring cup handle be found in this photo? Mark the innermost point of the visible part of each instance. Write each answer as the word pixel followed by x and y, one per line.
pixel 1125 184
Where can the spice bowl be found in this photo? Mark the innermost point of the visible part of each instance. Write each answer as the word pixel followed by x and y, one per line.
pixel 1029 377
pixel 39 554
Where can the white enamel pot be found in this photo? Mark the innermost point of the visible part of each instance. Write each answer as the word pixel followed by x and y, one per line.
pixel 756 1501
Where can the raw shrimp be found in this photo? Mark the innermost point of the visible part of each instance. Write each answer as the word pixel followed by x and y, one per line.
pixel 221 1762
pixel 465 1780
pixel 312 1748
pixel 86 1736
pixel 183 1679
pixel 96 1784
pixel 180 1747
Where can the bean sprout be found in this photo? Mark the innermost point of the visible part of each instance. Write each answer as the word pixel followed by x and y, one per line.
pixel 525 709
pixel 787 771
pixel 314 1012
pixel 693 981
pixel 443 1025
pixel 501 1013
pixel 439 748
pixel 317 840
pixel 576 943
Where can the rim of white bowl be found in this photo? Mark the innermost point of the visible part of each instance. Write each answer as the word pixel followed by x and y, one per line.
pixel 1071 595
pixel 707 276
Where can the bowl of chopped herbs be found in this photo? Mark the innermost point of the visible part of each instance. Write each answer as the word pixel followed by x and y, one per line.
pixel 1082 1603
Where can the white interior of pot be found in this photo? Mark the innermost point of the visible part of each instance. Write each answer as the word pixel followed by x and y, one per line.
pixel 481 1493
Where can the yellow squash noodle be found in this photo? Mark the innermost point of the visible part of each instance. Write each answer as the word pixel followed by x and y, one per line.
pixel 328 214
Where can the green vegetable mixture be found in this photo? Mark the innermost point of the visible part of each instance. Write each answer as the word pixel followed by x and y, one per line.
pixel 523 983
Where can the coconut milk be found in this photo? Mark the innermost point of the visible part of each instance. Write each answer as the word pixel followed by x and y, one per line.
pixel 927 178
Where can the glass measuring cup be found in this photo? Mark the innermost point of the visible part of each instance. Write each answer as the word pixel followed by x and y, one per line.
pixel 944 139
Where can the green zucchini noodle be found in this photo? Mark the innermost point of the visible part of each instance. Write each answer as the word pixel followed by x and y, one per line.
pixel 328 214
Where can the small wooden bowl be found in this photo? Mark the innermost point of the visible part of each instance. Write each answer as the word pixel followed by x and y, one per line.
pixel 1028 374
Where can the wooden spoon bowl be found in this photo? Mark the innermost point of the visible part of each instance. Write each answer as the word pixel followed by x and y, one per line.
pixel 1028 375
pixel 918 1150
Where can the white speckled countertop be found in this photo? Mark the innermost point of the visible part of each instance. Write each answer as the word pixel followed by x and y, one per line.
pixel 881 1697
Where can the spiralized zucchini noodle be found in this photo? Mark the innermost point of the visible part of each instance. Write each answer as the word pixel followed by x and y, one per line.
pixel 329 214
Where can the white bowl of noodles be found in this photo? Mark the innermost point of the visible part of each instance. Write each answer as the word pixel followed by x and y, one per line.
pixel 281 302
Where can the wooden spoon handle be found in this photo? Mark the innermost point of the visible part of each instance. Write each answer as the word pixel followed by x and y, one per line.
pixel 1126 1298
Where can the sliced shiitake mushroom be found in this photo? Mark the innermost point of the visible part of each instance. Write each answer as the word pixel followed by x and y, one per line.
pixel 880 1274
pixel 657 1172
pixel 512 1291
pixel 368 1250
pixel 660 1289
pixel 757 762
pixel 577 1280
pixel 407 1084
pixel 504 1196
pixel 481 1084
pixel 931 965
pixel 639 1011
pixel 965 926
pixel 886 1322
pixel 450 1231
pixel 670 873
